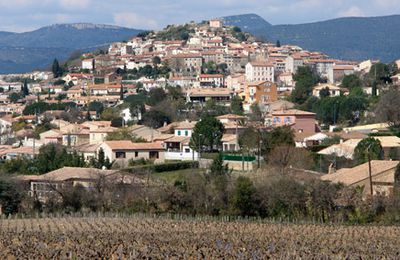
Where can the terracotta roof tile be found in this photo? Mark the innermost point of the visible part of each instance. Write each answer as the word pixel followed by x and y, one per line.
pixel 350 176
pixel 292 112
pixel 128 145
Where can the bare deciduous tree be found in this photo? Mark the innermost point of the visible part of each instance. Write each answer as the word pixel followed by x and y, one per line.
pixel 387 109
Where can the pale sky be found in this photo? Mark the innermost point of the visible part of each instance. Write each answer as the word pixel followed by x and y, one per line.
pixel 27 15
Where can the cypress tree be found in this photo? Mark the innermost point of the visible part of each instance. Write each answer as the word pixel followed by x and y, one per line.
pixel 25 90
pixel 121 93
pixel 56 69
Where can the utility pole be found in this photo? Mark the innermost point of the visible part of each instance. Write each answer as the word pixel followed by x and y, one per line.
pixel 370 170
pixel 236 133
pixel 334 113
pixel 259 154
pixel 33 146
pixel 200 145
pixel 370 174
pixel 242 161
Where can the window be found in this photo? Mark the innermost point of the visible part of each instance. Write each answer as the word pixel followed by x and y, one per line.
pixel 120 155
pixel 277 120
pixel 186 133
pixel 153 155
pixel 187 150
pixel 179 133
pixel 265 99
pixel 136 154
pixel 288 120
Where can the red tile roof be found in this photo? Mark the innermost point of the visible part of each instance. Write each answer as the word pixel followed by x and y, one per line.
pixel 128 145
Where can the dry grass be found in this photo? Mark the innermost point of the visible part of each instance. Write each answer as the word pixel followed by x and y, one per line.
pixel 134 238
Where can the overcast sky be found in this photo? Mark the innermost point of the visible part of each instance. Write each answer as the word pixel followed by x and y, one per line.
pixel 26 15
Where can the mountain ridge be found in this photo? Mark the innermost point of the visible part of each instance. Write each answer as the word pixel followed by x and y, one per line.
pixel 355 38
pixel 82 25
pixel 26 51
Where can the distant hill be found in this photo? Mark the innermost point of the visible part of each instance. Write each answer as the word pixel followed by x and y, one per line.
pixel 22 52
pixel 345 38
pixel 249 22
pixel 4 34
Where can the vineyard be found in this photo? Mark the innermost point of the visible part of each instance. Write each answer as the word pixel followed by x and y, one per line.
pixel 134 238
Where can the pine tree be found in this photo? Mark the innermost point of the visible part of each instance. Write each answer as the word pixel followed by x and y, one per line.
pixel 217 168
pixel 219 178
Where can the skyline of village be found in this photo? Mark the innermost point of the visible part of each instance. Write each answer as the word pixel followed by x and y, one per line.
pixel 136 14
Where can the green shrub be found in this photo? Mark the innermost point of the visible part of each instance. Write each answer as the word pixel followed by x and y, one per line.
pixel 164 167
pixel 175 166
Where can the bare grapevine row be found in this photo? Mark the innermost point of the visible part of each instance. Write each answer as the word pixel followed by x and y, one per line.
pixel 132 238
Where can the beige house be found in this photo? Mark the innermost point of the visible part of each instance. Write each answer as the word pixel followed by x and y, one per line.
pixel 202 95
pixel 236 82
pixel 279 105
pixel 125 150
pixel 75 135
pixel 94 125
pixel 51 136
pixel 338 72
pixel 230 143
pixel 346 149
pixel 59 122
pixel 334 91
pixel 99 135
pixel 43 186
pixel 231 118
pixel 185 64
pixel 211 80
pixel 382 172
pixel 145 132
pixel 88 151
pixel 23 151
pixel 7 121
pixel 74 92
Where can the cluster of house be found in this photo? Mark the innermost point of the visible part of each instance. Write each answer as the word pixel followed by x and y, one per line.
pixel 259 73
pixel 256 71
pixel 170 142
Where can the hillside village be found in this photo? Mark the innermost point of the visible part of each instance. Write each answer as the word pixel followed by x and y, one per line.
pixel 196 95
